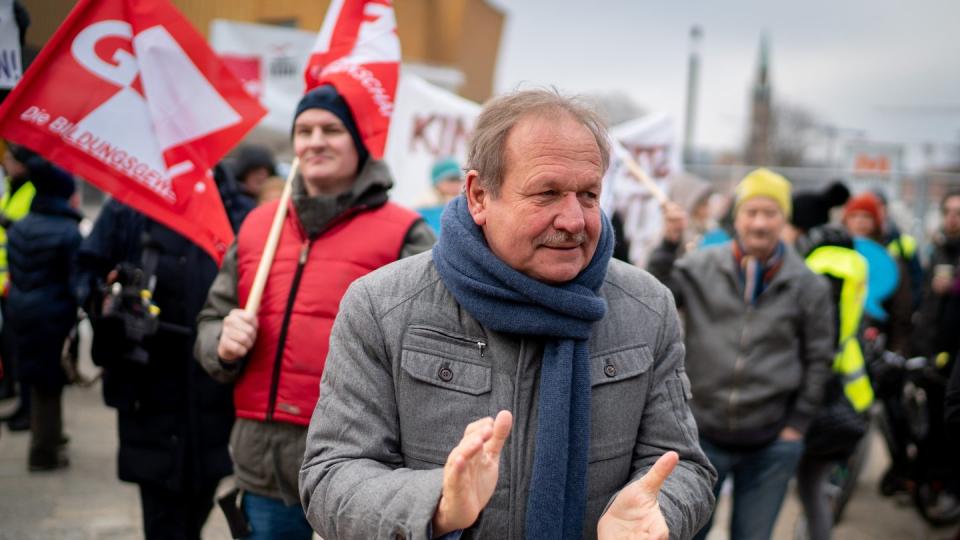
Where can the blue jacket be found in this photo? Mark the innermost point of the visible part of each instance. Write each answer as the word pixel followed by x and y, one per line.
pixel 41 308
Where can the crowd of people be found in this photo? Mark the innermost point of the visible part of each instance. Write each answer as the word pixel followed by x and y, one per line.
pixel 486 368
pixel 782 385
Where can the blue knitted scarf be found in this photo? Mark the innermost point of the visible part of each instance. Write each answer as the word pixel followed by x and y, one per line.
pixel 505 300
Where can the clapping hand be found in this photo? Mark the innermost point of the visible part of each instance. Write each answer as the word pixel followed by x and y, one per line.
pixel 470 475
pixel 635 513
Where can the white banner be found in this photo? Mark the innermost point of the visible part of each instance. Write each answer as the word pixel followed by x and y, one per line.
pixel 270 61
pixel 11 62
pixel 652 142
pixel 428 124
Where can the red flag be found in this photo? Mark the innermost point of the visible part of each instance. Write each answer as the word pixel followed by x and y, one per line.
pixel 358 52
pixel 130 97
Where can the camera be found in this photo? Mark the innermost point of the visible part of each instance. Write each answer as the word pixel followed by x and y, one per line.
pixel 129 308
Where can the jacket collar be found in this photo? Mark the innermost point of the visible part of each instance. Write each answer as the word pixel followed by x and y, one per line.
pixel 54 206
pixel 792 268
pixel 369 190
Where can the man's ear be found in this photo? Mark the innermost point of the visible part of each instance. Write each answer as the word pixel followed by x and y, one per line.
pixel 477 197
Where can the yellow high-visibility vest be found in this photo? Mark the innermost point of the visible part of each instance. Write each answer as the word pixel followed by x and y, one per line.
pixel 15 206
pixel 902 247
pixel 851 268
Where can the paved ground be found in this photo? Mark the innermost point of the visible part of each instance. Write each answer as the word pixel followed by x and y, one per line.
pixel 87 502
pixel 83 502
pixel 868 516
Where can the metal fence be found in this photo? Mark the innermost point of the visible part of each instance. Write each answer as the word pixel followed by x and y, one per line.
pixel 914 197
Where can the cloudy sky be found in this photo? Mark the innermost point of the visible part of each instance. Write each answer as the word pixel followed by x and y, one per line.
pixel 890 68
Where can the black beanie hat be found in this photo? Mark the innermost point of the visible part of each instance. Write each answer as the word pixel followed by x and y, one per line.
pixel 253 156
pixel 327 98
pixel 21 153
pixel 50 180
pixel 813 209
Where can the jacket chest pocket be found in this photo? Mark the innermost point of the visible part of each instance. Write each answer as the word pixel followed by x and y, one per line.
pixel 444 384
pixel 619 385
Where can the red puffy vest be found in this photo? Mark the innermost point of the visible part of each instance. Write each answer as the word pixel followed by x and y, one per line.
pixel 281 380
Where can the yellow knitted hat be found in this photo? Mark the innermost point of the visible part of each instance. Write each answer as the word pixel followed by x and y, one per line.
pixel 765 183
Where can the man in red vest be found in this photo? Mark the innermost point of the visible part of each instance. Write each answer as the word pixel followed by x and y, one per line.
pixel 340 227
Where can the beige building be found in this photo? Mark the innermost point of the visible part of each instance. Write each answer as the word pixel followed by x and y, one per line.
pixel 456 40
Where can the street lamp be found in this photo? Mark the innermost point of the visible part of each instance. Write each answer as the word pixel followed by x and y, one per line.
pixel 693 73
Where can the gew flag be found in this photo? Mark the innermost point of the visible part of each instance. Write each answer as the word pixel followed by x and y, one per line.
pixel 130 97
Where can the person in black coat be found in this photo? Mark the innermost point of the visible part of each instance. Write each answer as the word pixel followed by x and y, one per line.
pixel 951 413
pixel 42 310
pixel 174 421
pixel 951 418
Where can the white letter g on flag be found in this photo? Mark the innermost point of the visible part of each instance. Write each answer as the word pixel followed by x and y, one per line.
pixel 124 71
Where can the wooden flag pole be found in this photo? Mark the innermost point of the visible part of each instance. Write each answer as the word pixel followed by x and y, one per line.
pixel 270 248
pixel 645 179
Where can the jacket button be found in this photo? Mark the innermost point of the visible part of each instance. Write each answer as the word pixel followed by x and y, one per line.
pixel 445 374
pixel 610 370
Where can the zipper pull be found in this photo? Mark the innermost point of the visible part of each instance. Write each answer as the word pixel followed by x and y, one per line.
pixel 304 251
pixel 481 346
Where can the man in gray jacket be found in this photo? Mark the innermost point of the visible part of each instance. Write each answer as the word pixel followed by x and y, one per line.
pixel 515 382
pixel 759 330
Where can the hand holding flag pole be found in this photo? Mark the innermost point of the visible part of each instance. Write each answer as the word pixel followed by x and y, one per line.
pixel 675 217
pixel 637 172
pixel 270 249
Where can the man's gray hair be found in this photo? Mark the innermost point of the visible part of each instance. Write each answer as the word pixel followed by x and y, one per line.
pixel 487 150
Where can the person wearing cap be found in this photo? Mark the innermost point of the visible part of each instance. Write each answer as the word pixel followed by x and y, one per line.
pixel 340 226
pixel 863 217
pixel 836 432
pixel 41 253
pixel 759 338
pixel 446 177
pixel 811 209
pixel 18 193
pixel 253 165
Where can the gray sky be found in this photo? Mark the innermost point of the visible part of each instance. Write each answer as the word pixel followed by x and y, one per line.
pixel 888 67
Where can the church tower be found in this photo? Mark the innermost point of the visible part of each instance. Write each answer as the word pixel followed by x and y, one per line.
pixel 758 150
